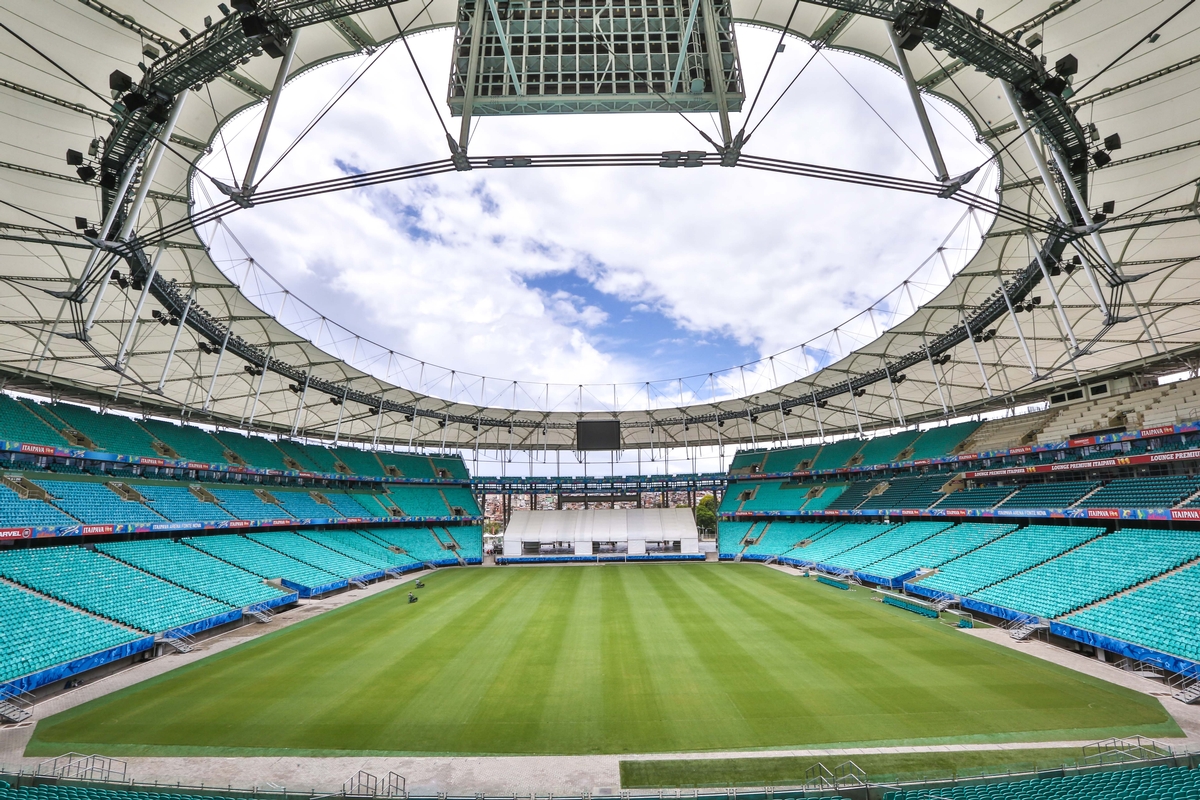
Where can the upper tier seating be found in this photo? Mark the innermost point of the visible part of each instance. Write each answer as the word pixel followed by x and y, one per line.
pixel 1162 614
pixel 453 467
pixel 420 543
pixel 886 449
pixel 899 538
pixel 306 457
pixel 261 560
pixel 1007 556
pixel 360 462
pixel 746 460
pixel 301 505
pixel 1149 783
pixel 982 497
pixel 187 567
pixel 308 551
pixel 836 454
pixel 18 513
pixel 36 633
pixel 1050 495
pixel 190 442
pixel 111 432
pixel 1007 432
pixel 461 497
pixel 909 491
pixel 940 548
pixel 95 503
pixel 1097 570
pixel 245 504
pixel 778 536
pixel 108 588
pixel 361 547
pixel 853 495
pixel 418 501
pixel 1161 491
pixel 349 506
pixel 789 460
pixel 838 539
pixel 18 424
pixel 410 465
pixel 178 504
pixel 773 496
pixel 941 441
pixel 254 450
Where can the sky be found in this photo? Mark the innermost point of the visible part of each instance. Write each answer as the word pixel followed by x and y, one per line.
pixel 596 275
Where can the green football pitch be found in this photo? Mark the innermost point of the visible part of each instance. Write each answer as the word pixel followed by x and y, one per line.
pixel 602 659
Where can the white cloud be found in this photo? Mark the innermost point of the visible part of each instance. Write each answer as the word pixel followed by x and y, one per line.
pixel 437 268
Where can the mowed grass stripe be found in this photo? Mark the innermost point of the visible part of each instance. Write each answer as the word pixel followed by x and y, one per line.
pixel 613 659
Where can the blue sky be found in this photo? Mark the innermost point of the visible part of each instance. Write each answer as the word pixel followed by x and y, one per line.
pixel 593 275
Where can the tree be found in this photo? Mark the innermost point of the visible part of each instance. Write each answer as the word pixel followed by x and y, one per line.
pixel 706 514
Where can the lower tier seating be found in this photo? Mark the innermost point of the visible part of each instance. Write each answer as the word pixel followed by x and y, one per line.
pixel 899 538
pixel 107 588
pixel 187 567
pixel 940 548
pixel 1163 614
pixel 981 497
pixel 95 503
pixel 18 513
pixel 1097 570
pixel 838 540
pixel 420 543
pixel 469 539
pixel 261 560
pixel 296 546
pixel 779 536
pixel 178 504
pixel 1151 783
pixel 36 633
pixel 360 546
pixel 419 501
pixel 1016 552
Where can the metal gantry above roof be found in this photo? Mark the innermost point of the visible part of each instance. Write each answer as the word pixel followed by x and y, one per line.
pixel 1089 267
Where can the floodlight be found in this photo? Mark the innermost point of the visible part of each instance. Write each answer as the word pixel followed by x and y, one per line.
pixel 156 314
pixel 1033 41
pixel 1101 158
pixel 979 14
pixel 150 51
pixel 80 223
pixel 1029 100
pixel 133 101
pixel 787 412
pixel 1055 85
pixel 245 6
pixel 85 174
pixel 74 158
pixel 119 82
pixel 253 26
pixel 108 181
pixel 1093 132
pixel 822 403
pixel 1067 66
pixel 208 22
pixel 1112 142
pixel 185 33
pixel 224 9
pixel 1109 206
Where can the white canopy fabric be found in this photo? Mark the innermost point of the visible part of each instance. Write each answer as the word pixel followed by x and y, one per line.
pixel 1150 96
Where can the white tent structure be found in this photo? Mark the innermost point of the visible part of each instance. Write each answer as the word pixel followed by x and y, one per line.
pixel 172 334
pixel 585 531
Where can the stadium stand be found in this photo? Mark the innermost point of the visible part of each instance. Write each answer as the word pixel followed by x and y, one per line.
pixel 894 540
pixel 730 536
pixel 188 441
pixel 107 588
pixel 790 459
pixel 1007 432
pixel 187 567
pixel 253 450
pixel 452 468
pixel 939 548
pixel 774 496
pixel 1162 614
pixel 18 513
pixel 1161 491
pixel 306 458
pixel 909 491
pixel 836 454
pixel 301 505
pixel 308 551
pixel 94 503
pixel 260 559
pixel 853 495
pixel 1050 495
pixel 18 424
pixel 348 506
pixel 838 540
pixel 470 541
pixel 38 633
pixel 361 547
pixel 1095 571
pixel 941 441
pixel 885 449
pixel 360 462
pixel 982 497
pixel 178 504
pixel 1149 783
pixel 245 504
pixel 419 501
pixel 461 497
pixel 830 492
pixel 111 432
pixel 1007 556
pixel 778 536
pixel 420 543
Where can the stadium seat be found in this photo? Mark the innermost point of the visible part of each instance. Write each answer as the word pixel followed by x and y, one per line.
pixel 178 504
pixel 94 503
pixel 18 513
pixel 19 424
pixel 190 442
pixel 941 441
pixel 199 572
pixel 261 560
pixel 982 497
pixel 1160 491
pixel 310 552
pixel 894 540
pixel 1050 495
pixel 838 539
pixel 420 543
pixel 1162 615
pixel 1150 783
pixel 940 548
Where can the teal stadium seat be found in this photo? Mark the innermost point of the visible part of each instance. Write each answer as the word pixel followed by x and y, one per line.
pixel 1160 491
pixel 837 540
pixel 19 424
pixel 107 588
pixel 1016 552
pixel 190 442
pixel 261 560
pixel 199 572
pixel 941 441
pixel 1150 783
pixel 982 497
pixel 420 543
pixel 18 513
pixel 112 432
pixel 1095 571
pixel 940 548
pixel 836 454
pixel 36 633
pixel 895 540
pixel 418 501
pixel 316 555
pixel 94 503
pixel 178 504
pixel 886 449
pixel 1163 615
pixel 1050 495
